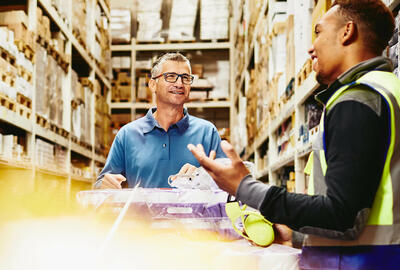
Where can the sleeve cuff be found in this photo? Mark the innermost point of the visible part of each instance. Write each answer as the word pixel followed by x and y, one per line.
pixel 297 239
pixel 98 183
pixel 251 192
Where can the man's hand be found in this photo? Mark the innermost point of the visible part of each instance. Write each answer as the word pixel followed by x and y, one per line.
pixel 188 169
pixel 112 181
pixel 228 177
pixel 283 234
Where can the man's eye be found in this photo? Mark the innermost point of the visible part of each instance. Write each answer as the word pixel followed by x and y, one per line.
pixel 187 78
pixel 171 76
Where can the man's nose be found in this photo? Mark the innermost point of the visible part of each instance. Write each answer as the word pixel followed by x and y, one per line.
pixel 179 82
pixel 311 50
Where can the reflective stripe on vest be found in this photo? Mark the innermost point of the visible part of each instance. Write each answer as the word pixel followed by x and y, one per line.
pixel 383 225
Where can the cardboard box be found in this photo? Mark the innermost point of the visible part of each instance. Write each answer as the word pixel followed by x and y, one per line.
pixel 14 17
pixel 125 92
pixel 143 91
pixel 198 69
pixel 46 27
pixel 123 79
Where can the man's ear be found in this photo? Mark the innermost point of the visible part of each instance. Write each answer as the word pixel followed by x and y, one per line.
pixel 350 33
pixel 152 85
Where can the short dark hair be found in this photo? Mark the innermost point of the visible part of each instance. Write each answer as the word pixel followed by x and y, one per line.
pixel 374 20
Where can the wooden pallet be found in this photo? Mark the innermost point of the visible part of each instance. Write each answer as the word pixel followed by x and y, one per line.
pixel 85 81
pixel 127 100
pixel 150 42
pixel 181 41
pixel 51 50
pixel 24 111
pixel 7 79
pixel 216 99
pixel 79 38
pixel 27 76
pixel 53 127
pixel 74 139
pixel 43 41
pixel 215 40
pixel 98 150
pixel 23 100
pixel 64 63
pixel 304 72
pixel 85 145
pixel 7 56
pixel 23 47
pixel 64 133
pixel 42 121
pixel 7 102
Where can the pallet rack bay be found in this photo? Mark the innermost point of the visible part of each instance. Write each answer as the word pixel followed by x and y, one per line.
pixel 265 149
pixel 30 130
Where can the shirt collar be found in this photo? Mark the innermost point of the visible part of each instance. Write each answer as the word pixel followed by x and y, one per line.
pixel 150 122
pixel 377 63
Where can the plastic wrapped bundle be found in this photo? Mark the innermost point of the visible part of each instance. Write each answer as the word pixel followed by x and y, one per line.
pixel 120 25
pixel 150 23
pixel 214 18
pixel 183 18
pixel 42 98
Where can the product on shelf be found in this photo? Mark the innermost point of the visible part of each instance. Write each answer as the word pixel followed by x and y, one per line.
pixel 214 18
pixel 122 62
pixel 313 114
pixel 150 23
pixel 42 96
pixel 44 154
pixel 182 20
pixel 143 90
pixel 62 7
pixel 80 21
pixel 120 26
pixel 17 21
pixel 121 88
pixel 303 30
pixel 285 137
pixel 220 81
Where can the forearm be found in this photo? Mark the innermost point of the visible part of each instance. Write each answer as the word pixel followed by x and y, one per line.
pixel 251 192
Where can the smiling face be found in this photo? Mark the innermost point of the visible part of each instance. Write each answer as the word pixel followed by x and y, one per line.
pixel 327 52
pixel 167 93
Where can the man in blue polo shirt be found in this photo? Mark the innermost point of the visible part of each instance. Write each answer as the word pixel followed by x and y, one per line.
pixel 153 147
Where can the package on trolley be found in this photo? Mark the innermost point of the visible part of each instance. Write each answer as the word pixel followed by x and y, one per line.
pixel 189 208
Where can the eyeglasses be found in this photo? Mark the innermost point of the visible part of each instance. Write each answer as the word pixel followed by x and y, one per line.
pixel 172 77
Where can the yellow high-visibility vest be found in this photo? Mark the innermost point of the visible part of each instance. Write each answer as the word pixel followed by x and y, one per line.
pixel 383 220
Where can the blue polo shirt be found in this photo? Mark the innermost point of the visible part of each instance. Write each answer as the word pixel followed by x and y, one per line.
pixel 143 151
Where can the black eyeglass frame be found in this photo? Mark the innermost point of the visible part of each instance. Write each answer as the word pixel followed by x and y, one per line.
pixel 178 75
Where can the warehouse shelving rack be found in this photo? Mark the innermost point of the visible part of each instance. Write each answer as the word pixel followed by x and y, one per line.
pixel 296 157
pixel 33 130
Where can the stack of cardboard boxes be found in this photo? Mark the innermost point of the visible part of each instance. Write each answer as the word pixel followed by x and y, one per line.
pixel 122 88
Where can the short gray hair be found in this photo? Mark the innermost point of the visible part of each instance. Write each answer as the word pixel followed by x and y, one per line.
pixel 178 57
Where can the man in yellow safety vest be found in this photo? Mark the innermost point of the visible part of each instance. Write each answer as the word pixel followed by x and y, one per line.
pixel 351 217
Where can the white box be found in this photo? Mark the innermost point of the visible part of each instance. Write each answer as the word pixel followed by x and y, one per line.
pixel 8 142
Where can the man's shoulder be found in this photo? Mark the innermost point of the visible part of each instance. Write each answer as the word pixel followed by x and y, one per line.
pixel 200 122
pixel 133 126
